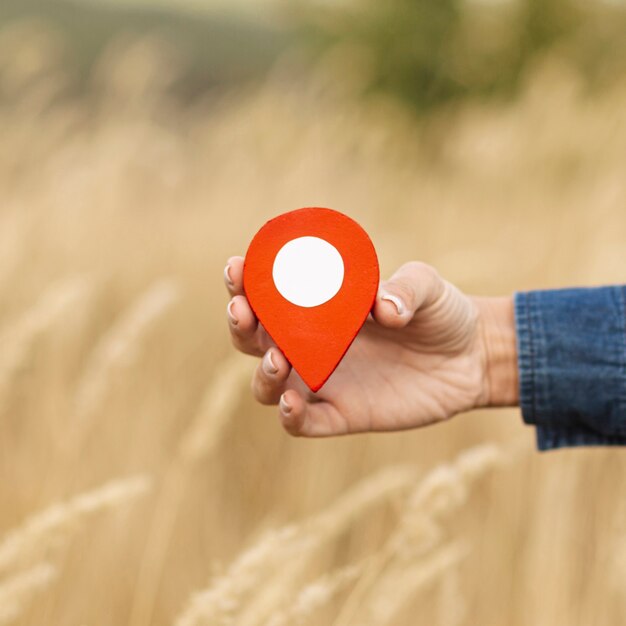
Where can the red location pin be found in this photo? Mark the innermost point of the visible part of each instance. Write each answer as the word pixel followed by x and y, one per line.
pixel 311 277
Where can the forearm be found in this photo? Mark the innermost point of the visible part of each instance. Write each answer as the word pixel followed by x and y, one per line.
pixel 498 337
pixel 560 355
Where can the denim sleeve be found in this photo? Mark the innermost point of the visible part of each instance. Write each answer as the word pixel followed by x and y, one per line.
pixel 572 365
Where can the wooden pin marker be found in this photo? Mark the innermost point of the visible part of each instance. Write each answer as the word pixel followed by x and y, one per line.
pixel 311 278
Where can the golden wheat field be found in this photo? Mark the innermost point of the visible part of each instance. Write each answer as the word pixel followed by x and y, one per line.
pixel 142 485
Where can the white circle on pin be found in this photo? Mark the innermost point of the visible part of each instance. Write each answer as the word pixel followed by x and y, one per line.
pixel 308 271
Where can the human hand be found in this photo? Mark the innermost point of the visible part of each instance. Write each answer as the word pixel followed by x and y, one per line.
pixel 426 353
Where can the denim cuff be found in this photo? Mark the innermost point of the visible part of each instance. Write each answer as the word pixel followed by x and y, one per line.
pixel 572 365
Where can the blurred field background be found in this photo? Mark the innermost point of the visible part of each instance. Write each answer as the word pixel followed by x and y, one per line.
pixel 143 144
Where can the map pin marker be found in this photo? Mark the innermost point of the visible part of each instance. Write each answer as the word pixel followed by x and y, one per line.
pixel 311 278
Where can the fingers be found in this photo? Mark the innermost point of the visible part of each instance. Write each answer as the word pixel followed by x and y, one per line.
pixel 309 419
pixel 414 286
pixel 244 327
pixel 270 377
pixel 298 417
pixel 233 275
pixel 292 412
pixel 242 323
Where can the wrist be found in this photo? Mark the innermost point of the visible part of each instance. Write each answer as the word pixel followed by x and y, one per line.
pixel 499 346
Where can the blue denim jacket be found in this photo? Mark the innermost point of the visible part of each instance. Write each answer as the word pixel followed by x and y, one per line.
pixel 572 365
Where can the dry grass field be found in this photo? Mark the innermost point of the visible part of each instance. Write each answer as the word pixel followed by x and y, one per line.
pixel 142 485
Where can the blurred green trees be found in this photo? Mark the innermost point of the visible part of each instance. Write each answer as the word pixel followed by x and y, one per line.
pixel 432 52
pixel 428 53
pixel 215 49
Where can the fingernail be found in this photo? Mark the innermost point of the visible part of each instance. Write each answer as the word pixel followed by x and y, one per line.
pixel 231 316
pixel 269 367
pixel 396 302
pixel 227 278
pixel 285 407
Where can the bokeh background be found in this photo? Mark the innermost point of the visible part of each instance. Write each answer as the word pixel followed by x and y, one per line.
pixel 141 144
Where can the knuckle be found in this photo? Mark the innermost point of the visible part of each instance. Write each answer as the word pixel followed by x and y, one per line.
pixel 291 430
pixel 254 387
pixel 413 266
pixel 403 290
pixel 236 341
pixel 424 275
pixel 263 390
pixel 244 344
pixel 239 344
pixel 261 397
pixel 416 282
pixel 421 270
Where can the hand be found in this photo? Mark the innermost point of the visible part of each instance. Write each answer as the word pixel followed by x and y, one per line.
pixel 426 353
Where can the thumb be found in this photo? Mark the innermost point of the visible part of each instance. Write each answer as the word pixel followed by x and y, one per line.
pixel 412 287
